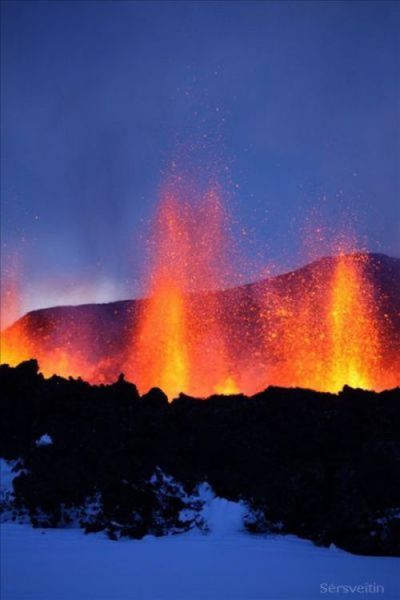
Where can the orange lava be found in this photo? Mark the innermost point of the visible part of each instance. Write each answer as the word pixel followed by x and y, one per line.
pixel 352 328
pixel 178 342
pixel 63 351
pixel 15 345
pixel 321 327
pixel 19 343
pixel 327 335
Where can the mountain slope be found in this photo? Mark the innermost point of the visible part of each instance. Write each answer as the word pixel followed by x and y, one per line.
pixel 95 340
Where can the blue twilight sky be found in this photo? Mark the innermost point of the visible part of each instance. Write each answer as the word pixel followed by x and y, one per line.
pixel 294 106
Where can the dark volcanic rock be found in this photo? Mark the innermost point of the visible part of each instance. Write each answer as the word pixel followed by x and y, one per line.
pixel 322 466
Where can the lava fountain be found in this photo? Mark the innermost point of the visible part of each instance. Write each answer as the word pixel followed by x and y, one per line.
pixel 178 343
pixel 353 329
pixel 326 332
pixel 320 327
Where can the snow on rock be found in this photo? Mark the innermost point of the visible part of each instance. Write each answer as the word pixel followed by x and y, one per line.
pixel 203 510
pixel 219 515
pixel 44 440
pixel 9 470
pixel 174 510
pixel 7 475
pixel 227 564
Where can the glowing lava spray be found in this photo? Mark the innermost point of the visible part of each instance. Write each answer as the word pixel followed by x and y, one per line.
pixel 178 343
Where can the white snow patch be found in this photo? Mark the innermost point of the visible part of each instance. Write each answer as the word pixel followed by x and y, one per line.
pixel 203 510
pixel 7 475
pixel 9 470
pixel 65 564
pixel 44 440
pixel 220 516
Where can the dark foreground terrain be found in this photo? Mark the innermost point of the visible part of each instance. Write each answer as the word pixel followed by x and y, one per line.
pixel 322 466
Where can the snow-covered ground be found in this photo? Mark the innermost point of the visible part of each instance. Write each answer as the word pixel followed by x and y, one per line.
pixel 227 563
pixel 65 564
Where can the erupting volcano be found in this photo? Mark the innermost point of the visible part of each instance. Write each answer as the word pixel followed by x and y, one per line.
pixel 332 323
